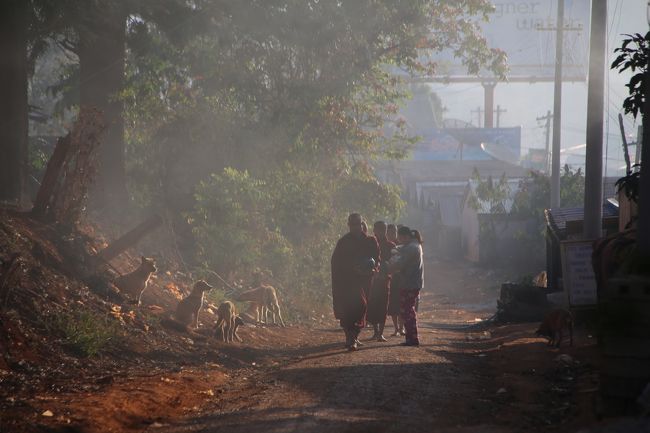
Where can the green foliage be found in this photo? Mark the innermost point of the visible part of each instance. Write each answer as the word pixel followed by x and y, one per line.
pixel 490 194
pixel 629 183
pixel 489 198
pixel 634 53
pixel 533 198
pixel 259 122
pixel 534 195
pixel 85 333
pixel 285 224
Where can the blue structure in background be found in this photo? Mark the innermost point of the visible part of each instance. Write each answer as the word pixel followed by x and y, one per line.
pixel 468 144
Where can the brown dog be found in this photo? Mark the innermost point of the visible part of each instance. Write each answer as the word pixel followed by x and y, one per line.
pixel 226 321
pixel 553 324
pixel 135 283
pixel 219 332
pixel 187 310
pixel 264 299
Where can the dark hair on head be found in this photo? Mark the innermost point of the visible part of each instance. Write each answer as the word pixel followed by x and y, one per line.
pixel 391 226
pixel 403 231
pixel 380 224
pixel 354 215
pixel 413 234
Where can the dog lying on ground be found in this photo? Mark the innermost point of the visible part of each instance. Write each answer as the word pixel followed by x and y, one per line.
pixel 188 309
pixel 553 324
pixel 264 298
pixel 135 283
pixel 226 326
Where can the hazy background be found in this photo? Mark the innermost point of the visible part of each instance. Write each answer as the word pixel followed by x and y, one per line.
pixel 525 102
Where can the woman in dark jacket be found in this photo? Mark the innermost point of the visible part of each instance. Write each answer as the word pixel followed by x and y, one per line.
pixel 409 265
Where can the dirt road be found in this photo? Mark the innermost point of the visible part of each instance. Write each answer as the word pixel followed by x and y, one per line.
pixel 467 376
pixel 461 379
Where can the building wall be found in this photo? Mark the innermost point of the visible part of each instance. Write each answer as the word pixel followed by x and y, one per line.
pixel 469 234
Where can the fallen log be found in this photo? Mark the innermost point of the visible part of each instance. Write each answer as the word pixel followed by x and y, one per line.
pixel 70 170
pixel 130 238
pixel 51 176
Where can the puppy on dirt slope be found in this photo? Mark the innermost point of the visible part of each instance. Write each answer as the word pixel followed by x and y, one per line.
pixel 226 322
pixel 187 310
pixel 135 283
pixel 218 334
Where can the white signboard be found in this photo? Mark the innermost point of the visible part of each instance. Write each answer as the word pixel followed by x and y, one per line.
pixel 526 31
pixel 577 273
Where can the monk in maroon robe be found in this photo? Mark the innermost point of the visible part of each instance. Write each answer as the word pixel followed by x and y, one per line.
pixel 354 262
pixel 378 301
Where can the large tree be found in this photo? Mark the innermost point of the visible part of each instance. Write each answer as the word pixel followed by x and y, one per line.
pixel 101 30
pixel 14 22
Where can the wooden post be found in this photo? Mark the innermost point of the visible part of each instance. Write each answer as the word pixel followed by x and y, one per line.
pixel 129 239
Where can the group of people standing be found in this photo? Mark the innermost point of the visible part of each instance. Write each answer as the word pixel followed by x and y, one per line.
pixel 374 276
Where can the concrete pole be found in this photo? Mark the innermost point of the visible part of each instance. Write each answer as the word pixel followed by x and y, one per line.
pixel 548 137
pixel 557 108
pixel 595 110
pixel 489 104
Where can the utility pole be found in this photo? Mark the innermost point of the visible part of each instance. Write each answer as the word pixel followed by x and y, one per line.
pixel 593 221
pixel 478 111
pixel 557 107
pixel 547 126
pixel 499 111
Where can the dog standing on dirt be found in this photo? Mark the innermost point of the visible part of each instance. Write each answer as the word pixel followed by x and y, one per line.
pixel 135 283
pixel 227 322
pixel 264 299
pixel 187 310
pixel 553 325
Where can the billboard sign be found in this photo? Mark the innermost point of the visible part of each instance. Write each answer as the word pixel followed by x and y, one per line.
pixel 526 31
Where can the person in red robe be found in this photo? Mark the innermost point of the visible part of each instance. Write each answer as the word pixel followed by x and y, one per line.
pixel 354 262
pixel 378 301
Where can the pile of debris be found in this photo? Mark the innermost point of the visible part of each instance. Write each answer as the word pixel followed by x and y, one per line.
pixel 524 301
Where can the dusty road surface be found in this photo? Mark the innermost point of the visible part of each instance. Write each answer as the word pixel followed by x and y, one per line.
pixel 463 378
pixel 467 376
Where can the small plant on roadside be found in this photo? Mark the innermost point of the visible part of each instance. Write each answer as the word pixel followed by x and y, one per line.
pixel 85 333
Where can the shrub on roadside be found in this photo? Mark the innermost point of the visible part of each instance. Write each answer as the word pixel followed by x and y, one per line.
pixel 85 333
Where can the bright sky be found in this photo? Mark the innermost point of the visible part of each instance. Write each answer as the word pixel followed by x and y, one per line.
pixel 525 102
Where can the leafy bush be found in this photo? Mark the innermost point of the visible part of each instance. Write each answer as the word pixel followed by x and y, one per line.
pixel 286 224
pixel 85 333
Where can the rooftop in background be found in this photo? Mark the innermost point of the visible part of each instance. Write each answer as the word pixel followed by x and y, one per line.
pixel 557 219
pixel 400 172
pixel 471 144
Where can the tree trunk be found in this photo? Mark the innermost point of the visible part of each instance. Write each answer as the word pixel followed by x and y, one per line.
pixel 13 98
pixel 102 37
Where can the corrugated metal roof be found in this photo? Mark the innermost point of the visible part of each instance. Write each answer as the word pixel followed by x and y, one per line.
pixel 557 218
